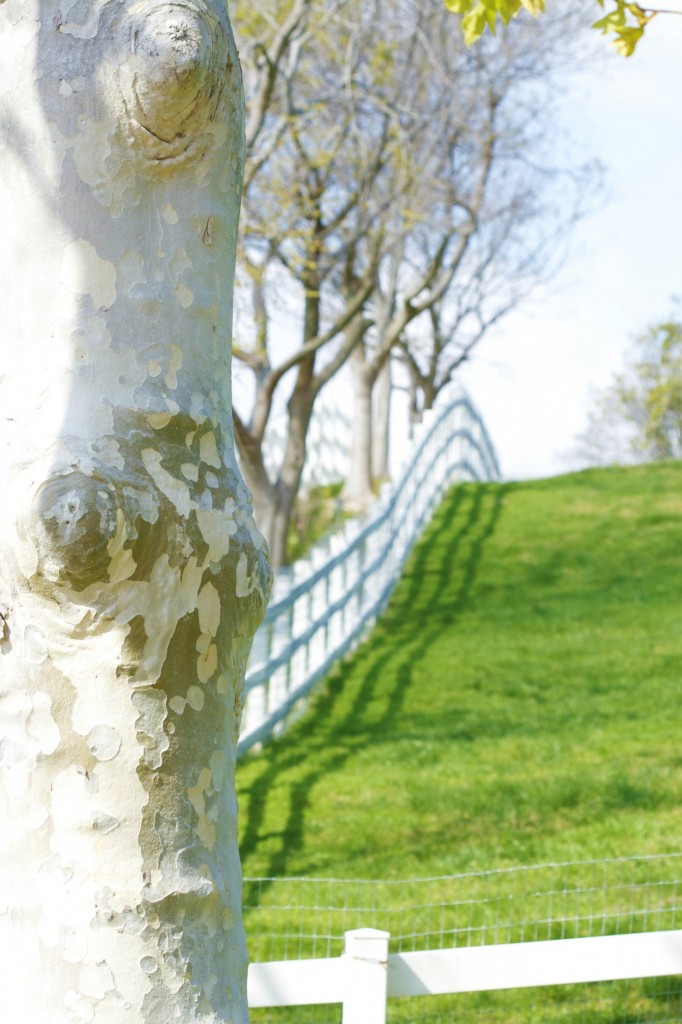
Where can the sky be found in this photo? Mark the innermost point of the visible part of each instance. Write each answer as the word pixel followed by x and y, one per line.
pixel 533 376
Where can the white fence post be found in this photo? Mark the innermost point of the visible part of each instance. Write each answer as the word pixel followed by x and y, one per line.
pixel 366 953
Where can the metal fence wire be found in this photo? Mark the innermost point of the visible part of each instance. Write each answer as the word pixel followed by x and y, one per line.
pixel 301 918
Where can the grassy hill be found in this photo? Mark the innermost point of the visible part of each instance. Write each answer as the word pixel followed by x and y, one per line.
pixel 518 703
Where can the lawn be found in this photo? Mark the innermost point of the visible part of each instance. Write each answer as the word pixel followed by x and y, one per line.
pixel 517 704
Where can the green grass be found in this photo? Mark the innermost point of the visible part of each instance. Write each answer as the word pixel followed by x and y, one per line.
pixel 518 703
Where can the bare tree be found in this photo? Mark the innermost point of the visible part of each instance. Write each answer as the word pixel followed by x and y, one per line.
pixel 402 183
pixel 310 207
pixel 489 218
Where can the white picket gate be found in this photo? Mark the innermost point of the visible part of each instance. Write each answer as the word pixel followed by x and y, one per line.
pixel 325 603
pixel 366 975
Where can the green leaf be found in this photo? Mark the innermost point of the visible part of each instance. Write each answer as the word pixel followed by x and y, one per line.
pixel 627 40
pixel 458 6
pixel 505 8
pixel 474 23
pixel 535 7
pixel 611 22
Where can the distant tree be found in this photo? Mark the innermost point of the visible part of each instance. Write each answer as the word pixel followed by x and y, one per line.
pixel 638 418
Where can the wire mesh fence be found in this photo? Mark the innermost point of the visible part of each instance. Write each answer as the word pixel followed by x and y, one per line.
pixel 306 918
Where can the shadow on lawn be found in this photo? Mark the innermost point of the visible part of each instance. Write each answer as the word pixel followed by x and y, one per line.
pixel 364 697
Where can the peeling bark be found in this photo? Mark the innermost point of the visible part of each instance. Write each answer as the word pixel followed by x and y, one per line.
pixel 132 577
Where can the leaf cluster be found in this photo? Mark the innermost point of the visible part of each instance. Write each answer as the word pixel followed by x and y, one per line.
pixel 479 15
pixel 626 21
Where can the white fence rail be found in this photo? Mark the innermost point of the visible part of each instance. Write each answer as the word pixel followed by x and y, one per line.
pixel 365 976
pixel 328 436
pixel 596 941
pixel 325 603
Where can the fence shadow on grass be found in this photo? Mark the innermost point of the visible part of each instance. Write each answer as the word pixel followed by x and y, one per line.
pixel 343 718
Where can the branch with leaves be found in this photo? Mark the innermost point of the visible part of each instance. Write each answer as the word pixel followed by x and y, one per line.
pixel 626 21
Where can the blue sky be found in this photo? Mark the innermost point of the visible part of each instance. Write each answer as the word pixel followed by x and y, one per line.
pixel 533 376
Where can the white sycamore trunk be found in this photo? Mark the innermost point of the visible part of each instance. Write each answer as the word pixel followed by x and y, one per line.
pixel 357 490
pixel 131 575
pixel 381 429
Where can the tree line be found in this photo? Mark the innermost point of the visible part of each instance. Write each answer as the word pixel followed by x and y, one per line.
pixel 401 196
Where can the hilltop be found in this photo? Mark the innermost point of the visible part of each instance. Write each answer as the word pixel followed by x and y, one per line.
pixel 519 701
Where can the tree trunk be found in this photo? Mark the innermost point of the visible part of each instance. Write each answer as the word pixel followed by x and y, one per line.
pixel 299 411
pixel 357 491
pixel 429 393
pixel 382 423
pixel 131 575
pixel 414 413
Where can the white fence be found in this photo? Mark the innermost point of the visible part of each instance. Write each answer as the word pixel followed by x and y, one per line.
pixel 606 932
pixel 328 436
pixel 326 602
pixel 366 975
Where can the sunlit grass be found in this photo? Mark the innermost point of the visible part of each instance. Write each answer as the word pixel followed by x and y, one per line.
pixel 519 702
